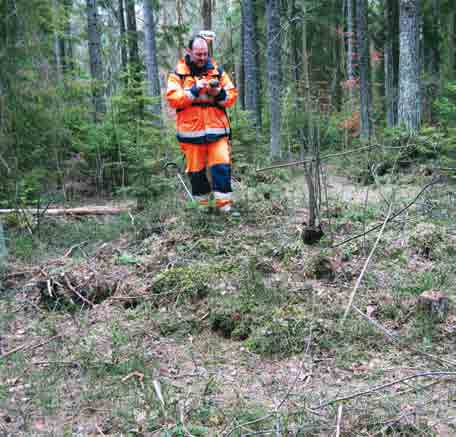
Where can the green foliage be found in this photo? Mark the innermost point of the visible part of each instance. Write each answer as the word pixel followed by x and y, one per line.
pixel 55 236
pixel 303 130
pixel 445 105
pixel 438 278
pixel 246 148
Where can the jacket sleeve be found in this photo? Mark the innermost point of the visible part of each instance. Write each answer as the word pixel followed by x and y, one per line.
pixel 176 95
pixel 228 94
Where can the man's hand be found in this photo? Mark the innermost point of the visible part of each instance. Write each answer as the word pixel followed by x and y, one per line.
pixel 201 84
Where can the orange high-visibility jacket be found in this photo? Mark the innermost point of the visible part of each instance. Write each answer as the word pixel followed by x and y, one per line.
pixel 200 118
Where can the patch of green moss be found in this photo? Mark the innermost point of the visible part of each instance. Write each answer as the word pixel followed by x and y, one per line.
pixel 189 283
pixel 279 337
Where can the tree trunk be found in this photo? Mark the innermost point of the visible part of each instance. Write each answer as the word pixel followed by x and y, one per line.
pixel 153 79
pixel 133 50
pixel 273 63
pixel 249 61
pixel 180 22
pixel 434 42
pixel 206 12
pixel 409 107
pixel 96 65
pixel 391 61
pixel 350 44
pixel 69 36
pixel 59 43
pixel 335 98
pixel 123 36
pixel 364 69
pixel 451 51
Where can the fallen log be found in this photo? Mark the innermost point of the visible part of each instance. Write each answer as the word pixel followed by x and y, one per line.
pixel 92 210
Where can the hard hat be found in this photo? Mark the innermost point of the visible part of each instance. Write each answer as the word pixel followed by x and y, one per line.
pixel 208 35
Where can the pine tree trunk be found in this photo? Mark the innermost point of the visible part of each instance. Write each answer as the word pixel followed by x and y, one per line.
pixel 96 65
pixel 249 58
pixel 364 69
pixel 391 61
pixel 153 79
pixel 273 64
pixel 409 107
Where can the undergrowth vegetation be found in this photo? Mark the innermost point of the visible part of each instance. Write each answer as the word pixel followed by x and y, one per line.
pixel 174 320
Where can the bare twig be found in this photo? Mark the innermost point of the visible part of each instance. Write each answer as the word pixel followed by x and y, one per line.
pixel 383 386
pixel 242 425
pixel 70 250
pixel 339 419
pixel 360 277
pixel 402 342
pixel 393 216
pixel 99 430
pixel 305 161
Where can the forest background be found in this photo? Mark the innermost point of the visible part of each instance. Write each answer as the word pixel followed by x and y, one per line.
pixel 324 305
pixel 82 84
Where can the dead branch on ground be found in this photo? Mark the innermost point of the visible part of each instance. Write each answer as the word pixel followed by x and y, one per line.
pixel 383 386
pixel 88 210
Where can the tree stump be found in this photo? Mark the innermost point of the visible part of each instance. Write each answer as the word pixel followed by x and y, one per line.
pixel 434 304
pixel 311 235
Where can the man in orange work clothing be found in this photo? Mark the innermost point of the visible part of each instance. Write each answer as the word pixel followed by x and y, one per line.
pixel 200 91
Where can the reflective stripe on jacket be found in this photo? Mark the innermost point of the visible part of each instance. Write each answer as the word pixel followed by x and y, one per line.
pixel 200 119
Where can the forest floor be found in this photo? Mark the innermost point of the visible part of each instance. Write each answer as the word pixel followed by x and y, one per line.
pixel 173 321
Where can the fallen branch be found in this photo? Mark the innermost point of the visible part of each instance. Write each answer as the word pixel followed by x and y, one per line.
pixel 401 342
pixel 76 292
pixel 381 387
pixel 25 347
pixel 89 210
